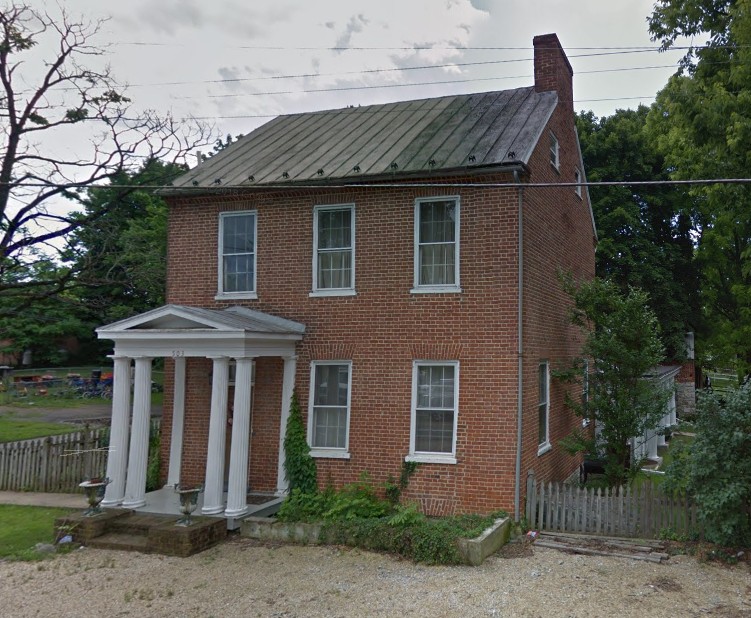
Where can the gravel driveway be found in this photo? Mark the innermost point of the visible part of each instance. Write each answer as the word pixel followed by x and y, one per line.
pixel 245 578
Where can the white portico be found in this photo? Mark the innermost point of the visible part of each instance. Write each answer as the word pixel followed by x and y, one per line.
pixel 180 332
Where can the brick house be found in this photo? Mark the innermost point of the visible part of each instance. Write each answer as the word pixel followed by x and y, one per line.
pixel 375 259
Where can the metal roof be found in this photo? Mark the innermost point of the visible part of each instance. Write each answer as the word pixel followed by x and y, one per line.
pixel 361 143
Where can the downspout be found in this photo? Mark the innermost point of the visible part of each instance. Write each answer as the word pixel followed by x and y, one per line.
pixel 520 350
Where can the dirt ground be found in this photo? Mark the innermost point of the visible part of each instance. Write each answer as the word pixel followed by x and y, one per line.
pixel 245 578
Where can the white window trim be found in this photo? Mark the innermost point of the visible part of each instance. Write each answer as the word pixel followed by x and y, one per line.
pixel 585 391
pixel 426 457
pixel 544 447
pixel 555 149
pixel 331 453
pixel 320 292
pixel 246 294
pixel 436 289
pixel 577 180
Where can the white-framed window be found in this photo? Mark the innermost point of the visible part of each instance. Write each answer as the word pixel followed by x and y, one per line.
pixel 437 245
pixel 543 407
pixel 585 393
pixel 577 180
pixel 334 250
pixel 554 152
pixel 328 408
pixel 237 255
pixel 435 408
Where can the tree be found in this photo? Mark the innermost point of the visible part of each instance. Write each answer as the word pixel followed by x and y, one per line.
pixel 645 232
pixel 702 124
pixel 45 327
pixel 121 254
pixel 622 342
pixel 43 101
pixel 716 469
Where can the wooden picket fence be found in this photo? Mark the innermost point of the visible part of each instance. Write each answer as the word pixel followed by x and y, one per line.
pixel 642 512
pixel 54 464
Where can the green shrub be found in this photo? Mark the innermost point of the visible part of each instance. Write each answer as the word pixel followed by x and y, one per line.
pixel 310 507
pixel 153 467
pixel 716 469
pixel 299 466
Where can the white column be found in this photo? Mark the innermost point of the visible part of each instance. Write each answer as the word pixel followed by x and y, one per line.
pixel 237 492
pixel 288 385
pixel 135 486
pixel 673 413
pixel 117 457
pixel 213 502
pixel 178 421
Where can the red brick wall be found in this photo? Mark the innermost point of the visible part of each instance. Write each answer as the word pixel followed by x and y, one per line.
pixel 384 328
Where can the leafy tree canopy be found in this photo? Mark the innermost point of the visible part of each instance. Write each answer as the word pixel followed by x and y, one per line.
pixel 702 126
pixel 645 232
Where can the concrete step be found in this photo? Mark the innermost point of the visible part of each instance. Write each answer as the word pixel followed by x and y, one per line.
pixel 121 541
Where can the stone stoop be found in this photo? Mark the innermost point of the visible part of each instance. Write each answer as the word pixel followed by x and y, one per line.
pixel 144 532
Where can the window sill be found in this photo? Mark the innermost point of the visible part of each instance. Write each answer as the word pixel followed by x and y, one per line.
pixel 544 448
pixel 448 289
pixel 325 293
pixel 329 453
pixel 236 296
pixel 426 458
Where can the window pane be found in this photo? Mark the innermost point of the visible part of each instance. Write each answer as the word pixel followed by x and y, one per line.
pixel 329 427
pixel 437 221
pixel 335 269
pixel 437 264
pixel 238 234
pixel 434 431
pixel 543 420
pixel 335 229
pixel 238 273
pixel 331 382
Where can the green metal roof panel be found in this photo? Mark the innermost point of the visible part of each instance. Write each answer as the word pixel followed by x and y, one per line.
pixel 410 137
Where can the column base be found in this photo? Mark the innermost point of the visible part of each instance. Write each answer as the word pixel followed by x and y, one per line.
pixel 212 510
pixel 236 512
pixel 133 504
pixel 111 503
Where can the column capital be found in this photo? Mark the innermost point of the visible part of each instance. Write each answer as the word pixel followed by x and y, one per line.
pixel 116 356
pixel 248 357
pixel 290 357
pixel 217 357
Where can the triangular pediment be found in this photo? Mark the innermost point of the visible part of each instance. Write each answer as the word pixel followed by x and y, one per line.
pixel 183 318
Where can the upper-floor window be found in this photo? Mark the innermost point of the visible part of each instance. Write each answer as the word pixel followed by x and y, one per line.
pixel 237 254
pixel 543 407
pixel 435 398
pixel 334 249
pixel 577 180
pixel 328 415
pixel 437 244
pixel 554 152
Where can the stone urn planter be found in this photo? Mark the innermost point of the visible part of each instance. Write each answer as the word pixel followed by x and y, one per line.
pixel 94 489
pixel 188 502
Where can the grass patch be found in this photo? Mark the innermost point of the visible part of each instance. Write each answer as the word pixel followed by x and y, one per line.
pixel 22 527
pixel 13 429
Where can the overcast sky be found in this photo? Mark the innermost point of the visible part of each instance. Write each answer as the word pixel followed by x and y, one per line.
pixel 182 55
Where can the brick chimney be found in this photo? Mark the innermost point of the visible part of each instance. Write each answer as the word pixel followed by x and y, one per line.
pixel 553 71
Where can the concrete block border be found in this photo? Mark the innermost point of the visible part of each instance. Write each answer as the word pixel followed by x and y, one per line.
pixel 473 551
